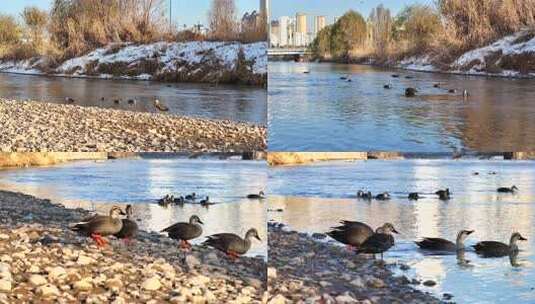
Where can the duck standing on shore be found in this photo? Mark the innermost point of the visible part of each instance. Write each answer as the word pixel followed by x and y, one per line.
pixel 231 244
pixel 160 106
pixel 101 225
pixel 130 229
pixel 493 249
pixel 352 234
pixel 184 232
pixel 513 189
pixel 439 244
pixel 379 242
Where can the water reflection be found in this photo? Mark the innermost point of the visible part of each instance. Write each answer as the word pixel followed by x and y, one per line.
pixel 319 112
pixel 94 186
pixel 238 103
pixel 316 197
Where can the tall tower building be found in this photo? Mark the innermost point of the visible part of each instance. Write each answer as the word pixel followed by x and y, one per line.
pixel 319 23
pixel 301 23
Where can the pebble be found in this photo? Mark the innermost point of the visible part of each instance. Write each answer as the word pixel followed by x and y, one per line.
pixel 152 283
pixel 5 285
pixel 48 290
pixel 37 280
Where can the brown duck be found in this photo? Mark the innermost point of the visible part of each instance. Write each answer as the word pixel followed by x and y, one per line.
pixel 101 225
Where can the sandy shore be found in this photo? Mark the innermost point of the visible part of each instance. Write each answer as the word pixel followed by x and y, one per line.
pixel 42 261
pixel 301 269
pixel 29 126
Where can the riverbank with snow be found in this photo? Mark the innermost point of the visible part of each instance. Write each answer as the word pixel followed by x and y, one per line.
pixel 196 61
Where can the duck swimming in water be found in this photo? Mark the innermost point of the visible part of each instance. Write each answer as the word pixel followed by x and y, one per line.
pixel 383 196
pixel 364 195
pixel 440 244
pixel 410 92
pixel 190 197
pixel 260 195
pixel 513 189
pixel 414 196
pixel 443 194
pixel 497 249
pixel 160 106
pixel 379 242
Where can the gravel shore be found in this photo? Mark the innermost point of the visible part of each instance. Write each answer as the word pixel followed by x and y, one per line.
pixel 303 270
pixel 42 261
pixel 29 126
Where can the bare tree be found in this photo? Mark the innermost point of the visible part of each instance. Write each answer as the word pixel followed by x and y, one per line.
pixel 223 20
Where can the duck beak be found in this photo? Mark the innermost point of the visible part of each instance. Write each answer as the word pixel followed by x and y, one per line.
pixel 395 231
pixel 258 238
pixel 200 222
pixel 122 212
pixel 522 238
pixel 469 232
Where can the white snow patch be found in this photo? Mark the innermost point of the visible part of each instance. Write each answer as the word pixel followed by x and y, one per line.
pixel 417 64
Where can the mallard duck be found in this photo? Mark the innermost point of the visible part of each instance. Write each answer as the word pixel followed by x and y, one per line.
pixel 379 242
pixel 498 249
pixel 260 195
pixel 443 194
pixel 160 106
pixel 130 229
pixel 440 244
pixel 414 196
pixel 231 244
pixel 185 231
pixel 383 196
pixel 513 189
pixel 410 92
pixel 101 225
pixel 353 234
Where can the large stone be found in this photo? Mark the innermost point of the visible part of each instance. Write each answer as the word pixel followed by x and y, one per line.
pixel 48 290
pixel 278 299
pixel 37 280
pixel 56 273
pixel 152 283
pixel 84 284
pixel 5 285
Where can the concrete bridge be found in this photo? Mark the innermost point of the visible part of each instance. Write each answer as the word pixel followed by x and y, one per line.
pixel 296 54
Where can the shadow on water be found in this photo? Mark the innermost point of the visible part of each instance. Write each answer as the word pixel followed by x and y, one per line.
pixel 315 198
pixel 237 103
pixel 321 112
pixel 95 186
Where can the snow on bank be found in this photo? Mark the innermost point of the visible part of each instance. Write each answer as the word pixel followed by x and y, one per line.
pixel 498 59
pixel 165 57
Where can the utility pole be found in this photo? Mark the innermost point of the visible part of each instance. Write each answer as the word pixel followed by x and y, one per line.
pixel 170 14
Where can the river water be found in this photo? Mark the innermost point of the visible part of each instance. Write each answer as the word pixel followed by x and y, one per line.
pixel 140 182
pixel 320 112
pixel 237 103
pixel 316 197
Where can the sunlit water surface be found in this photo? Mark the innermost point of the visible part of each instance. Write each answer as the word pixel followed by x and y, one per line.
pixel 318 196
pixel 97 185
pixel 320 112
pixel 237 103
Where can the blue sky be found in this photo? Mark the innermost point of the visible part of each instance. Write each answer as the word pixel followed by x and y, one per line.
pixel 184 11
pixel 332 8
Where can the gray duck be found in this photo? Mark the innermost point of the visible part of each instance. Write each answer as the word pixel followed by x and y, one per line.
pixel 185 231
pixel 130 229
pixel 497 249
pixel 260 195
pixel 379 242
pixel 513 189
pixel 439 244
pixel 231 244
pixel 101 225
pixel 353 234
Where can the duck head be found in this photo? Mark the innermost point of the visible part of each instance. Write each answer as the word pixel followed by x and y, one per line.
pixel 462 235
pixel 195 220
pixel 252 233
pixel 116 212
pixel 129 210
pixel 516 237
pixel 387 228
pixel 514 188
pixel 261 193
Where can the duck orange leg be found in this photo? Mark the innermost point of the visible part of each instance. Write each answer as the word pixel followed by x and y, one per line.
pixel 233 256
pixel 99 240
pixel 184 245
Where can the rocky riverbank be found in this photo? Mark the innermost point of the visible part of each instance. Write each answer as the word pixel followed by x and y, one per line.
pixel 29 126
pixel 42 261
pixel 301 269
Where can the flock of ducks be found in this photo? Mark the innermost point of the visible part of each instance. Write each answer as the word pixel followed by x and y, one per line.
pixel 192 198
pixel 99 226
pixel 131 101
pixel 443 194
pixel 361 238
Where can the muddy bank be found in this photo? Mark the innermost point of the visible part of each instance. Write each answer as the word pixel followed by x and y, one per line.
pixel 41 260
pixel 301 269
pixel 33 126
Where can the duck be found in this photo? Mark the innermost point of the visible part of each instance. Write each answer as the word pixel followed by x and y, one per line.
pixel 350 233
pixel 132 101
pixel 117 101
pixel 414 196
pixel 130 229
pixel 498 249
pixel 160 106
pixel 231 244
pixel 383 196
pixel 206 202
pixel 395 76
pixel 387 86
pixel 101 225
pixel 436 85
pixel 410 92
pixel 439 244
pixel 69 99
pixel 465 94
pixel 364 195
pixel 260 195
pixel 513 189
pixel 453 91
pixel 343 78
pixel 443 194
pixel 190 197
pixel 178 200
pixel 306 72
pixel 378 242
pixel 166 200
pixel 409 77
pixel 184 232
